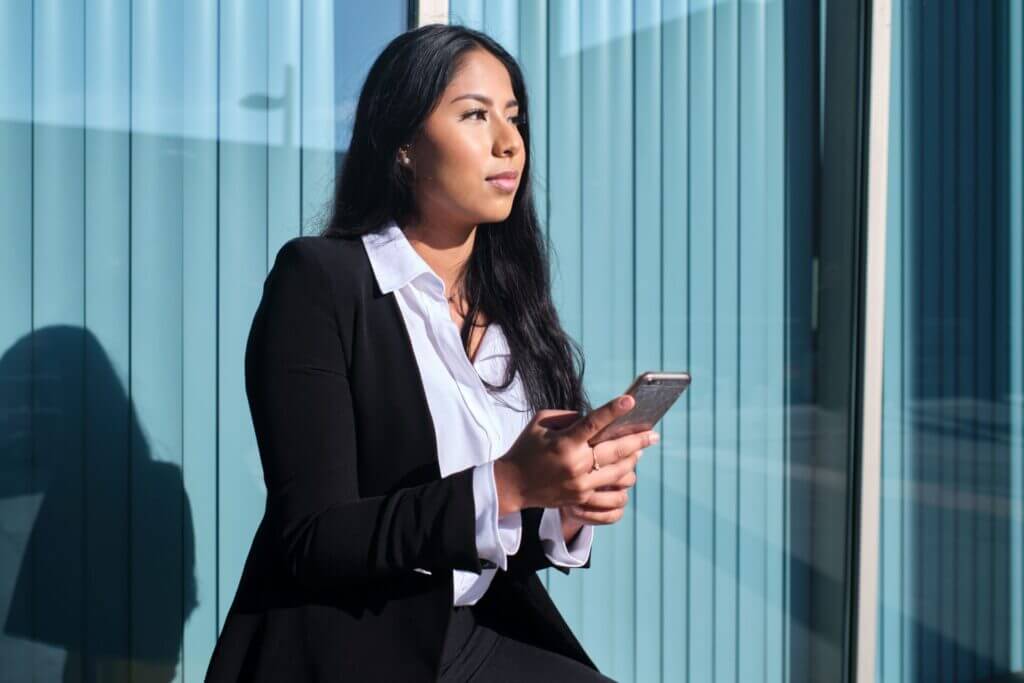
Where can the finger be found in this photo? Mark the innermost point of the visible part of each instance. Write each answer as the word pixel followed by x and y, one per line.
pixel 592 518
pixel 556 419
pixel 594 421
pixel 609 474
pixel 625 445
pixel 601 501
pixel 627 481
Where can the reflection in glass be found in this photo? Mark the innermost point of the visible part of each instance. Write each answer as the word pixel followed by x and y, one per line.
pixel 106 572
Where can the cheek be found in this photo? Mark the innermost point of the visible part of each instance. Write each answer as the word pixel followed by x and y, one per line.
pixel 461 159
pixel 459 170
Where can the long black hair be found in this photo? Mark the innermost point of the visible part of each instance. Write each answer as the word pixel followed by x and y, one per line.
pixel 506 277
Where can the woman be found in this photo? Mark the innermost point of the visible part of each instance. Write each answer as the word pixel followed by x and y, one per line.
pixel 403 371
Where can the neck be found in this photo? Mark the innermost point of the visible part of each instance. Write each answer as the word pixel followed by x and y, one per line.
pixel 445 249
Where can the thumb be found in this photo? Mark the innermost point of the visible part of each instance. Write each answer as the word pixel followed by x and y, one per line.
pixel 590 424
pixel 556 419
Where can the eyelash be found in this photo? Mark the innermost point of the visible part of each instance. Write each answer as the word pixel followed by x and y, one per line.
pixel 517 119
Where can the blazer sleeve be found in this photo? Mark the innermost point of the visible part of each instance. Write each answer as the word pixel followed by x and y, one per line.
pixel 301 405
pixel 531 556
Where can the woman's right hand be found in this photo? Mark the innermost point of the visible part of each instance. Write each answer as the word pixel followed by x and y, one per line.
pixel 551 465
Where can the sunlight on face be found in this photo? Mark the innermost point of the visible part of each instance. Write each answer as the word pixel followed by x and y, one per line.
pixel 471 135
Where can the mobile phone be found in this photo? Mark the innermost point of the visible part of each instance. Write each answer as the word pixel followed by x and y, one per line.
pixel 653 393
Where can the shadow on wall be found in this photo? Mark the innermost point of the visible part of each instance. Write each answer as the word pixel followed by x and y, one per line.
pixel 98 545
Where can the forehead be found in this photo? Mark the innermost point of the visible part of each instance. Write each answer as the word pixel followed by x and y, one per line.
pixel 481 72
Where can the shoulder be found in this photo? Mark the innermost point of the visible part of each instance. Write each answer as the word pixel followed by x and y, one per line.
pixel 327 252
pixel 313 274
pixel 341 263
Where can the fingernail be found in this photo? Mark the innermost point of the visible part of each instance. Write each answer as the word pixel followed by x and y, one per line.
pixel 624 402
pixel 655 438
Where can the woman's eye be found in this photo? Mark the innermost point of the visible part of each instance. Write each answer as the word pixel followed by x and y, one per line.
pixel 516 120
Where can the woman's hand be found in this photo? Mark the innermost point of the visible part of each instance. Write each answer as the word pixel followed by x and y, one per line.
pixel 605 506
pixel 551 463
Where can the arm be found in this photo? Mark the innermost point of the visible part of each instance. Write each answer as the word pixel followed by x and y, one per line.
pixel 570 530
pixel 497 538
pixel 543 541
pixel 553 538
pixel 302 413
pixel 534 547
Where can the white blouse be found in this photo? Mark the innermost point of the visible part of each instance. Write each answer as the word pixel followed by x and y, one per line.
pixel 473 426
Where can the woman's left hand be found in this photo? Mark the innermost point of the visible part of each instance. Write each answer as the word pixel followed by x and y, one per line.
pixel 606 505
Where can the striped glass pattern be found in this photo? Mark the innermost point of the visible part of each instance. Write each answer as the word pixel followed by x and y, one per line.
pixel 951 582
pixel 153 157
pixel 683 240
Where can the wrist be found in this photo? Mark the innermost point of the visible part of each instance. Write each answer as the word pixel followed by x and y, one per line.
pixel 570 527
pixel 506 481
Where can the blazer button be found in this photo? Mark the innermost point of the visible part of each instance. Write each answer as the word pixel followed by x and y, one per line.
pixel 487 564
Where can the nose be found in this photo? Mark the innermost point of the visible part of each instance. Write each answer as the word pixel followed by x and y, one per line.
pixel 506 140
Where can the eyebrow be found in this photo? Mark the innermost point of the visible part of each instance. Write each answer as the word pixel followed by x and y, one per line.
pixel 483 98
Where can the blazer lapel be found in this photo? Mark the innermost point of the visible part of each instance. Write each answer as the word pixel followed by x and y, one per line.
pixel 397 444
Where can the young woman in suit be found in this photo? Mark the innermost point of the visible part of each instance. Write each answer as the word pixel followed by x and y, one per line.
pixel 421 421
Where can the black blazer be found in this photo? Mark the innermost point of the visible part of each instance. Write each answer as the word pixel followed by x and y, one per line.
pixel 355 499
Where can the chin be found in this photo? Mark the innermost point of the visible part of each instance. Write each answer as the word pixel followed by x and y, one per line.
pixel 494 219
pixel 495 216
pixel 489 217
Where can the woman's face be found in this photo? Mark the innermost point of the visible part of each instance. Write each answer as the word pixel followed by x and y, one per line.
pixel 471 136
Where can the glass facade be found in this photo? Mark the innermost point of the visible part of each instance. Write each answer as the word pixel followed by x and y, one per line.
pixel 698 169
pixel 694 159
pixel 153 158
pixel 952 541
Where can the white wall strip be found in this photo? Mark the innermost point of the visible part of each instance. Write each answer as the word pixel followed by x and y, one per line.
pixel 432 12
pixel 873 347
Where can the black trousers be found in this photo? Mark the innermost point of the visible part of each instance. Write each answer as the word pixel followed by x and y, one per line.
pixel 476 653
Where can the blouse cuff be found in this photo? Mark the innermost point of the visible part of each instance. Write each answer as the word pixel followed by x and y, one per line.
pixel 551 538
pixel 496 537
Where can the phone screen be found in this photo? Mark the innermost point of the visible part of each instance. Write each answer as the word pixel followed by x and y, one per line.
pixel 654 393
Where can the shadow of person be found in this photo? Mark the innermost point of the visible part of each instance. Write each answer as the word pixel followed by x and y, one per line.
pixel 105 537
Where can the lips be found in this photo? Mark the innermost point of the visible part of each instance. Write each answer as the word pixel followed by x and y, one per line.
pixel 506 182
